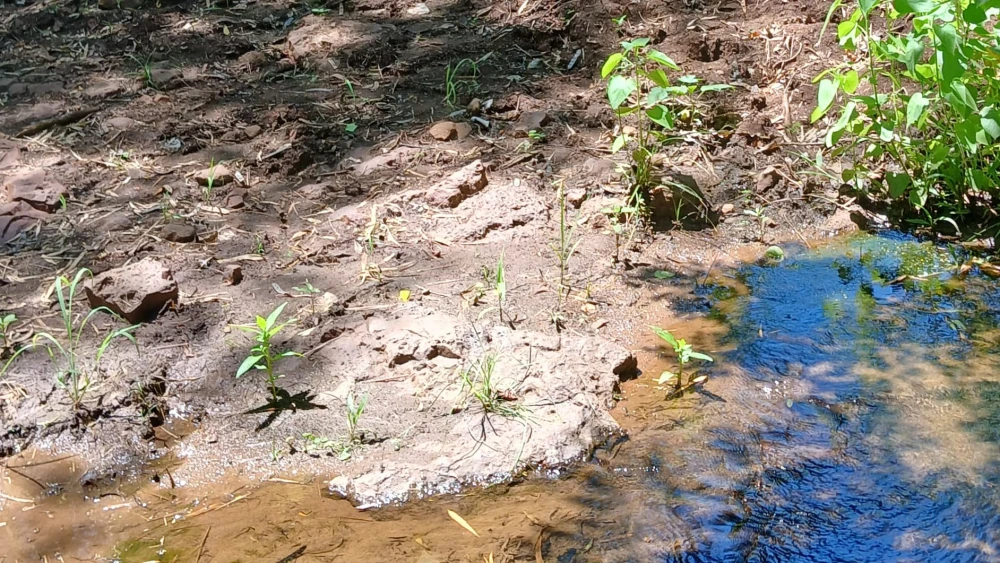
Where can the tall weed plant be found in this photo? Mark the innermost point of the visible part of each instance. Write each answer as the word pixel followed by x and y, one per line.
pixel 916 111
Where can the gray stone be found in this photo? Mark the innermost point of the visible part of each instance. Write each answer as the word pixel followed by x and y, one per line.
pixel 179 232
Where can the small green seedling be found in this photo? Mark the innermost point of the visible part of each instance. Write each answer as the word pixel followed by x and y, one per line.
pixel 762 219
pixel 315 444
pixel 480 381
pixel 6 322
pixel 684 354
pixel 263 356
pixel 455 80
pixel 257 247
pixel 623 220
pixel 536 135
pixel 565 247
pixel 308 289
pixel 355 408
pixel 210 181
pixel 73 377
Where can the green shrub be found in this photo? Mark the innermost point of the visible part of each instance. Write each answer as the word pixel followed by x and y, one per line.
pixel 917 113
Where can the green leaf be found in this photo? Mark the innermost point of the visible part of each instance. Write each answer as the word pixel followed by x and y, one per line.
pixel 952 66
pixel 837 131
pixel 619 89
pixel 980 181
pixel 898 182
pixel 247 364
pixel 715 88
pixel 611 64
pixel 661 116
pixel 663 275
pixel 961 99
pixel 656 95
pixel 913 6
pixel 700 356
pixel 990 120
pixel 850 81
pixel 915 108
pixel 827 93
pixel 618 144
pixel 974 14
pixel 912 54
pixel 664 335
pixel 867 5
pixel 662 59
pixel 273 317
pixel 635 43
pixel 845 29
pixel 659 78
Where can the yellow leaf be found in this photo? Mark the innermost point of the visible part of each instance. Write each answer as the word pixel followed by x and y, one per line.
pixel 404 295
pixel 461 522
pixel 225 30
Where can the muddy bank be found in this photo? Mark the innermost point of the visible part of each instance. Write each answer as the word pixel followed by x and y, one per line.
pixel 215 163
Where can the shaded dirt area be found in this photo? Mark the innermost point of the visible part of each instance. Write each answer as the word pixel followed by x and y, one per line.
pixel 250 151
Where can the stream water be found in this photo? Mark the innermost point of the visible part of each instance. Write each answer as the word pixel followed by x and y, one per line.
pixel 852 415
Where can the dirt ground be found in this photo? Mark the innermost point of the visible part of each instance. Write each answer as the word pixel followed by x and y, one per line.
pixel 239 150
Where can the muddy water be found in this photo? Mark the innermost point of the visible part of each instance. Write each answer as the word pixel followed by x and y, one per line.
pixel 852 414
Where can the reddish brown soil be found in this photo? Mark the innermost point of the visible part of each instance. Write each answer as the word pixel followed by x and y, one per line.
pixel 321 113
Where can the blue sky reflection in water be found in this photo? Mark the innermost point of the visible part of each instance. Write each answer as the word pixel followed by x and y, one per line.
pixel 856 416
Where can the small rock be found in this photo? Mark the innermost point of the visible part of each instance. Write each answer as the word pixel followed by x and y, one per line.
pixel 575 197
pixel 11 226
pixel 419 9
pixel 166 78
pixel 463 130
pixel 454 189
pixel 103 89
pixel 233 274
pixel 10 155
pixel 173 144
pixel 531 121
pixel 315 191
pixel 727 208
pixel 179 232
pixel 35 189
pixel 252 131
pixel 119 124
pixel 767 179
pixel 236 198
pixel 253 60
pixel 137 292
pixel 45 88
pixel 218 175
pixel 117 221
pixel 16 218
pixel 444 131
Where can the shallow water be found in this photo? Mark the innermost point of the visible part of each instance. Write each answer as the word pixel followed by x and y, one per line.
pixel 852 414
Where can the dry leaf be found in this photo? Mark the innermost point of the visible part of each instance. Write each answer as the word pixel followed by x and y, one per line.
pixel 461 522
